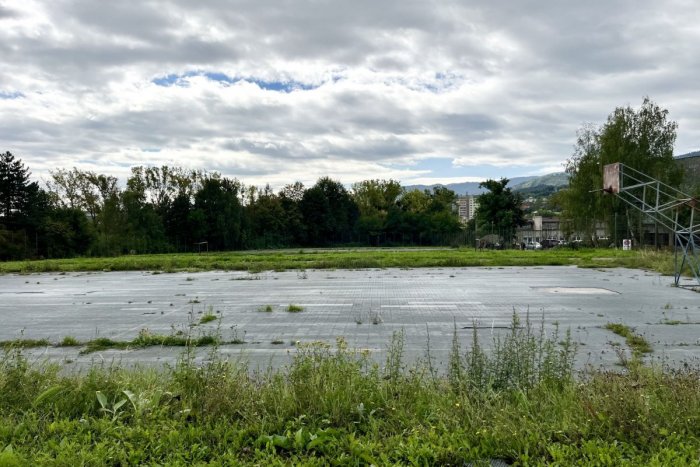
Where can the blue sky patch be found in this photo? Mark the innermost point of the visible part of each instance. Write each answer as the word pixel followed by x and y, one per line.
pixel 278 86
pixel 282 86
pixel 441 167
pixel 10 95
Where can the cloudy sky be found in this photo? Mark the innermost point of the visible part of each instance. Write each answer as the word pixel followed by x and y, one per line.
pixel 278 91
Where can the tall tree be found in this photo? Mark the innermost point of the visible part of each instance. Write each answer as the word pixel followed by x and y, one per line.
pixel 499 209
pixel 375 199
pixel 14 186
pixel 290 201
pixel 329 213
pixel 178 224
pixel 642 139
pixel 83 189
pixel 23 209
pixel 266 220
pixel 217 215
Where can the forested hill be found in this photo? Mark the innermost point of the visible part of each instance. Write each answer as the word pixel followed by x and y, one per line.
pixel 552 181
pixel 689 155
pixel 691 168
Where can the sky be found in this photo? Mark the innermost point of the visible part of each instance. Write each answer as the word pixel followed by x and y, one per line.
pixel 282 91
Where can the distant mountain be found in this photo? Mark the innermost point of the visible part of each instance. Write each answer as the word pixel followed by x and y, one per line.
pixel 689 155
pixel 556 180
pixel 547 184
pixel 691 168
pixel 551 181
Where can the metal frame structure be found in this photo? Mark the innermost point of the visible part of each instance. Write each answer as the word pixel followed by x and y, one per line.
pixel 675 210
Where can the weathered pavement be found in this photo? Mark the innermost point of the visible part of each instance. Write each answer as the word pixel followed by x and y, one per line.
pixel 364 306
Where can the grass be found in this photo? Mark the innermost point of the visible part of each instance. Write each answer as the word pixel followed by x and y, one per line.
pixel 148 339
pixel 350 259
pixel 208 317
pixel 144 339
pixel 521 402
pixel 677 322
pixel 69 341
pixel 265 309
pixel 672 322
pixel 291 308
pixel 635 342
pixel 25 343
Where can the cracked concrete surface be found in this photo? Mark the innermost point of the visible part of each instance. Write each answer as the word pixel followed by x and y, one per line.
pixel 363 306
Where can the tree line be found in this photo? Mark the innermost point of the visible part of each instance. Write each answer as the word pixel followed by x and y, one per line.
pixel 172 209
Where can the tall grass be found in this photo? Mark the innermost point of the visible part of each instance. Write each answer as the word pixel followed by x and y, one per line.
pixel 521 402
pixel 349 259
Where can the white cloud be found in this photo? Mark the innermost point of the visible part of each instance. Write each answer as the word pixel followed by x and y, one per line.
pixel 489 84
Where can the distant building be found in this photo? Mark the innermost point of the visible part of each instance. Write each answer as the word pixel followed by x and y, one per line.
pixel 466 207
pixel 551 229
pixel 540 228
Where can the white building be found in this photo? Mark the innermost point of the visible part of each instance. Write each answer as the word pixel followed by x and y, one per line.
pixel 466 207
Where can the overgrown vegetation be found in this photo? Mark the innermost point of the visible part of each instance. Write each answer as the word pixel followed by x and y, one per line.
pixel 635 342
pixel 520 402
pixel 25 343
pixel 208 317
pixel 144 339
pixel 69 341
pixel 292 308
pixel 352 259
pixel 171 209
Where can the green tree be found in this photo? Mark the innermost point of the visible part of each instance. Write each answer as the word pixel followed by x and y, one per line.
pixel 14 187
pixel 427 217
pixel 290 201
pixel 217 213
pixel 23 208
pixel 499 210
pixel 642 139
pixel 83 189
pixel 330 214
pixel 266 220
pixel 178 224
pixel 99 197
pixel 66 232
pixel 375 200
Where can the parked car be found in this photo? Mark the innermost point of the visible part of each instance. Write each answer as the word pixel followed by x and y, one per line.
pixel 533 246
pixel 549 243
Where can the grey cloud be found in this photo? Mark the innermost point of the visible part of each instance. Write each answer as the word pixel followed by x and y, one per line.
pixel 466 124
pixel 136 20
pixel 7 13
pixel 472 81
pixel 271 147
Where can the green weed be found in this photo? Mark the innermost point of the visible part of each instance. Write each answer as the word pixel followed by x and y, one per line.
pixel 69 341
pixel 519 402
pixel 208 317
pixel 147 339
pixel 637 343
pixel 25 343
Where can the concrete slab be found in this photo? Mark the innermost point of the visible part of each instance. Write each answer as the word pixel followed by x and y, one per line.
pixel 365 307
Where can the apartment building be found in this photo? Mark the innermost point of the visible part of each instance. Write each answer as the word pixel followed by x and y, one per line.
pixel 466 207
